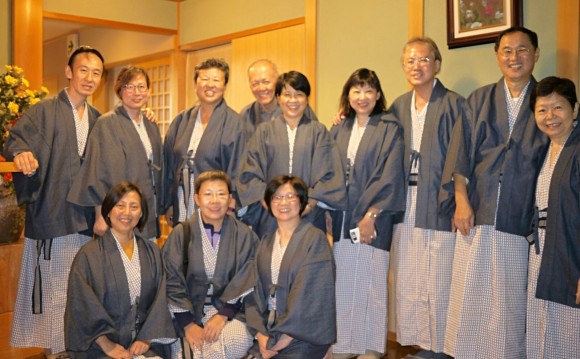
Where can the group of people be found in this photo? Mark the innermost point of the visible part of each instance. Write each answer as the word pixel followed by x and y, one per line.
pixel 283 230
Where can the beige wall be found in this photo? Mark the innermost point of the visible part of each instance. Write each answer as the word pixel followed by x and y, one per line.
pixel 5 33
pixel 54 64
pixel 370 34
pixel 206 19
pixel 154 13
pixel 118 45
pixel 468 68
pixel 345 44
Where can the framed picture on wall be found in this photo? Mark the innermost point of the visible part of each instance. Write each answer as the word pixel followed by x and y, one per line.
pixel 475 22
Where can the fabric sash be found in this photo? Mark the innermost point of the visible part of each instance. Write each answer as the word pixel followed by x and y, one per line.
pixel 152 168
pixel 186 177
pixel 45 246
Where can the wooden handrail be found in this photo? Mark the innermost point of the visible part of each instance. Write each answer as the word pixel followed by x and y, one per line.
pixel 8 167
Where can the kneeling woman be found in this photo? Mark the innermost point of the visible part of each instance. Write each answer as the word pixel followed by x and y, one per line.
pixel 292 309
pixel 116 304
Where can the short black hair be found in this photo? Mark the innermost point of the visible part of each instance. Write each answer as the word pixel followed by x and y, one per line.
pixel 212 175
pixel 294 79
pixel 81 50
pixel 213 63
pixel 296 182
pixel 552 84
pixel 114 196
pixel 531 35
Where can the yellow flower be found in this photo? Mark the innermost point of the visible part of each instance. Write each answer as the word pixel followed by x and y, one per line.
pixel 13 107
pixel 17 70
pixel 29 92
pixel 8 68
pixel 10 80
pixel 44 90
pixel 33 100
pixel 25 82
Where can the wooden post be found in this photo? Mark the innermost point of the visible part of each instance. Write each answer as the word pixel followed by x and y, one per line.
pixel 27 39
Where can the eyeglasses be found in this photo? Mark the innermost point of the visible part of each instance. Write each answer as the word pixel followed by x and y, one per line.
pixel 421 61
pixel 132 88
pixel 290 197
pixel 508 51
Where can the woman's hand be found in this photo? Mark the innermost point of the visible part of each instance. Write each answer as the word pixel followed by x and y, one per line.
pixel 328 354
pixel 367 229
pixel 194 336
pixel 262 343
pixel 113 349
pixel 309 207
pixel 578 293
pixel 337 119
pixel 100 226
pixel 213 328
pixel 139 347
pixel 284 341
pixel 169 217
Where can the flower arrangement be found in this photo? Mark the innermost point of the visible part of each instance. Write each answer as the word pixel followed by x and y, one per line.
pixel 15 98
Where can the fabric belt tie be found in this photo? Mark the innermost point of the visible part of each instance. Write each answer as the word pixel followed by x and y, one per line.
pixel 44 246
pixel 135 316
pixel 415 158
pixel 272 307
pixel 152 168
pixel 415 162
pixel 186 172
pixel 542 218
pixel 539 221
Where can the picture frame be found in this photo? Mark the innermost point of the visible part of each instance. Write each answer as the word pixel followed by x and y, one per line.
pixel 476 22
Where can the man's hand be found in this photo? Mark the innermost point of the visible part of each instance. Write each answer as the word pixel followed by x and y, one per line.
pixel 26 162
pixel 150 115
pixel 463 218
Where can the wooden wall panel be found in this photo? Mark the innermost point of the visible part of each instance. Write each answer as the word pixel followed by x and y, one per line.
pixel 285 47
pixel 568 41
pixel 193 59
pixel 10 257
